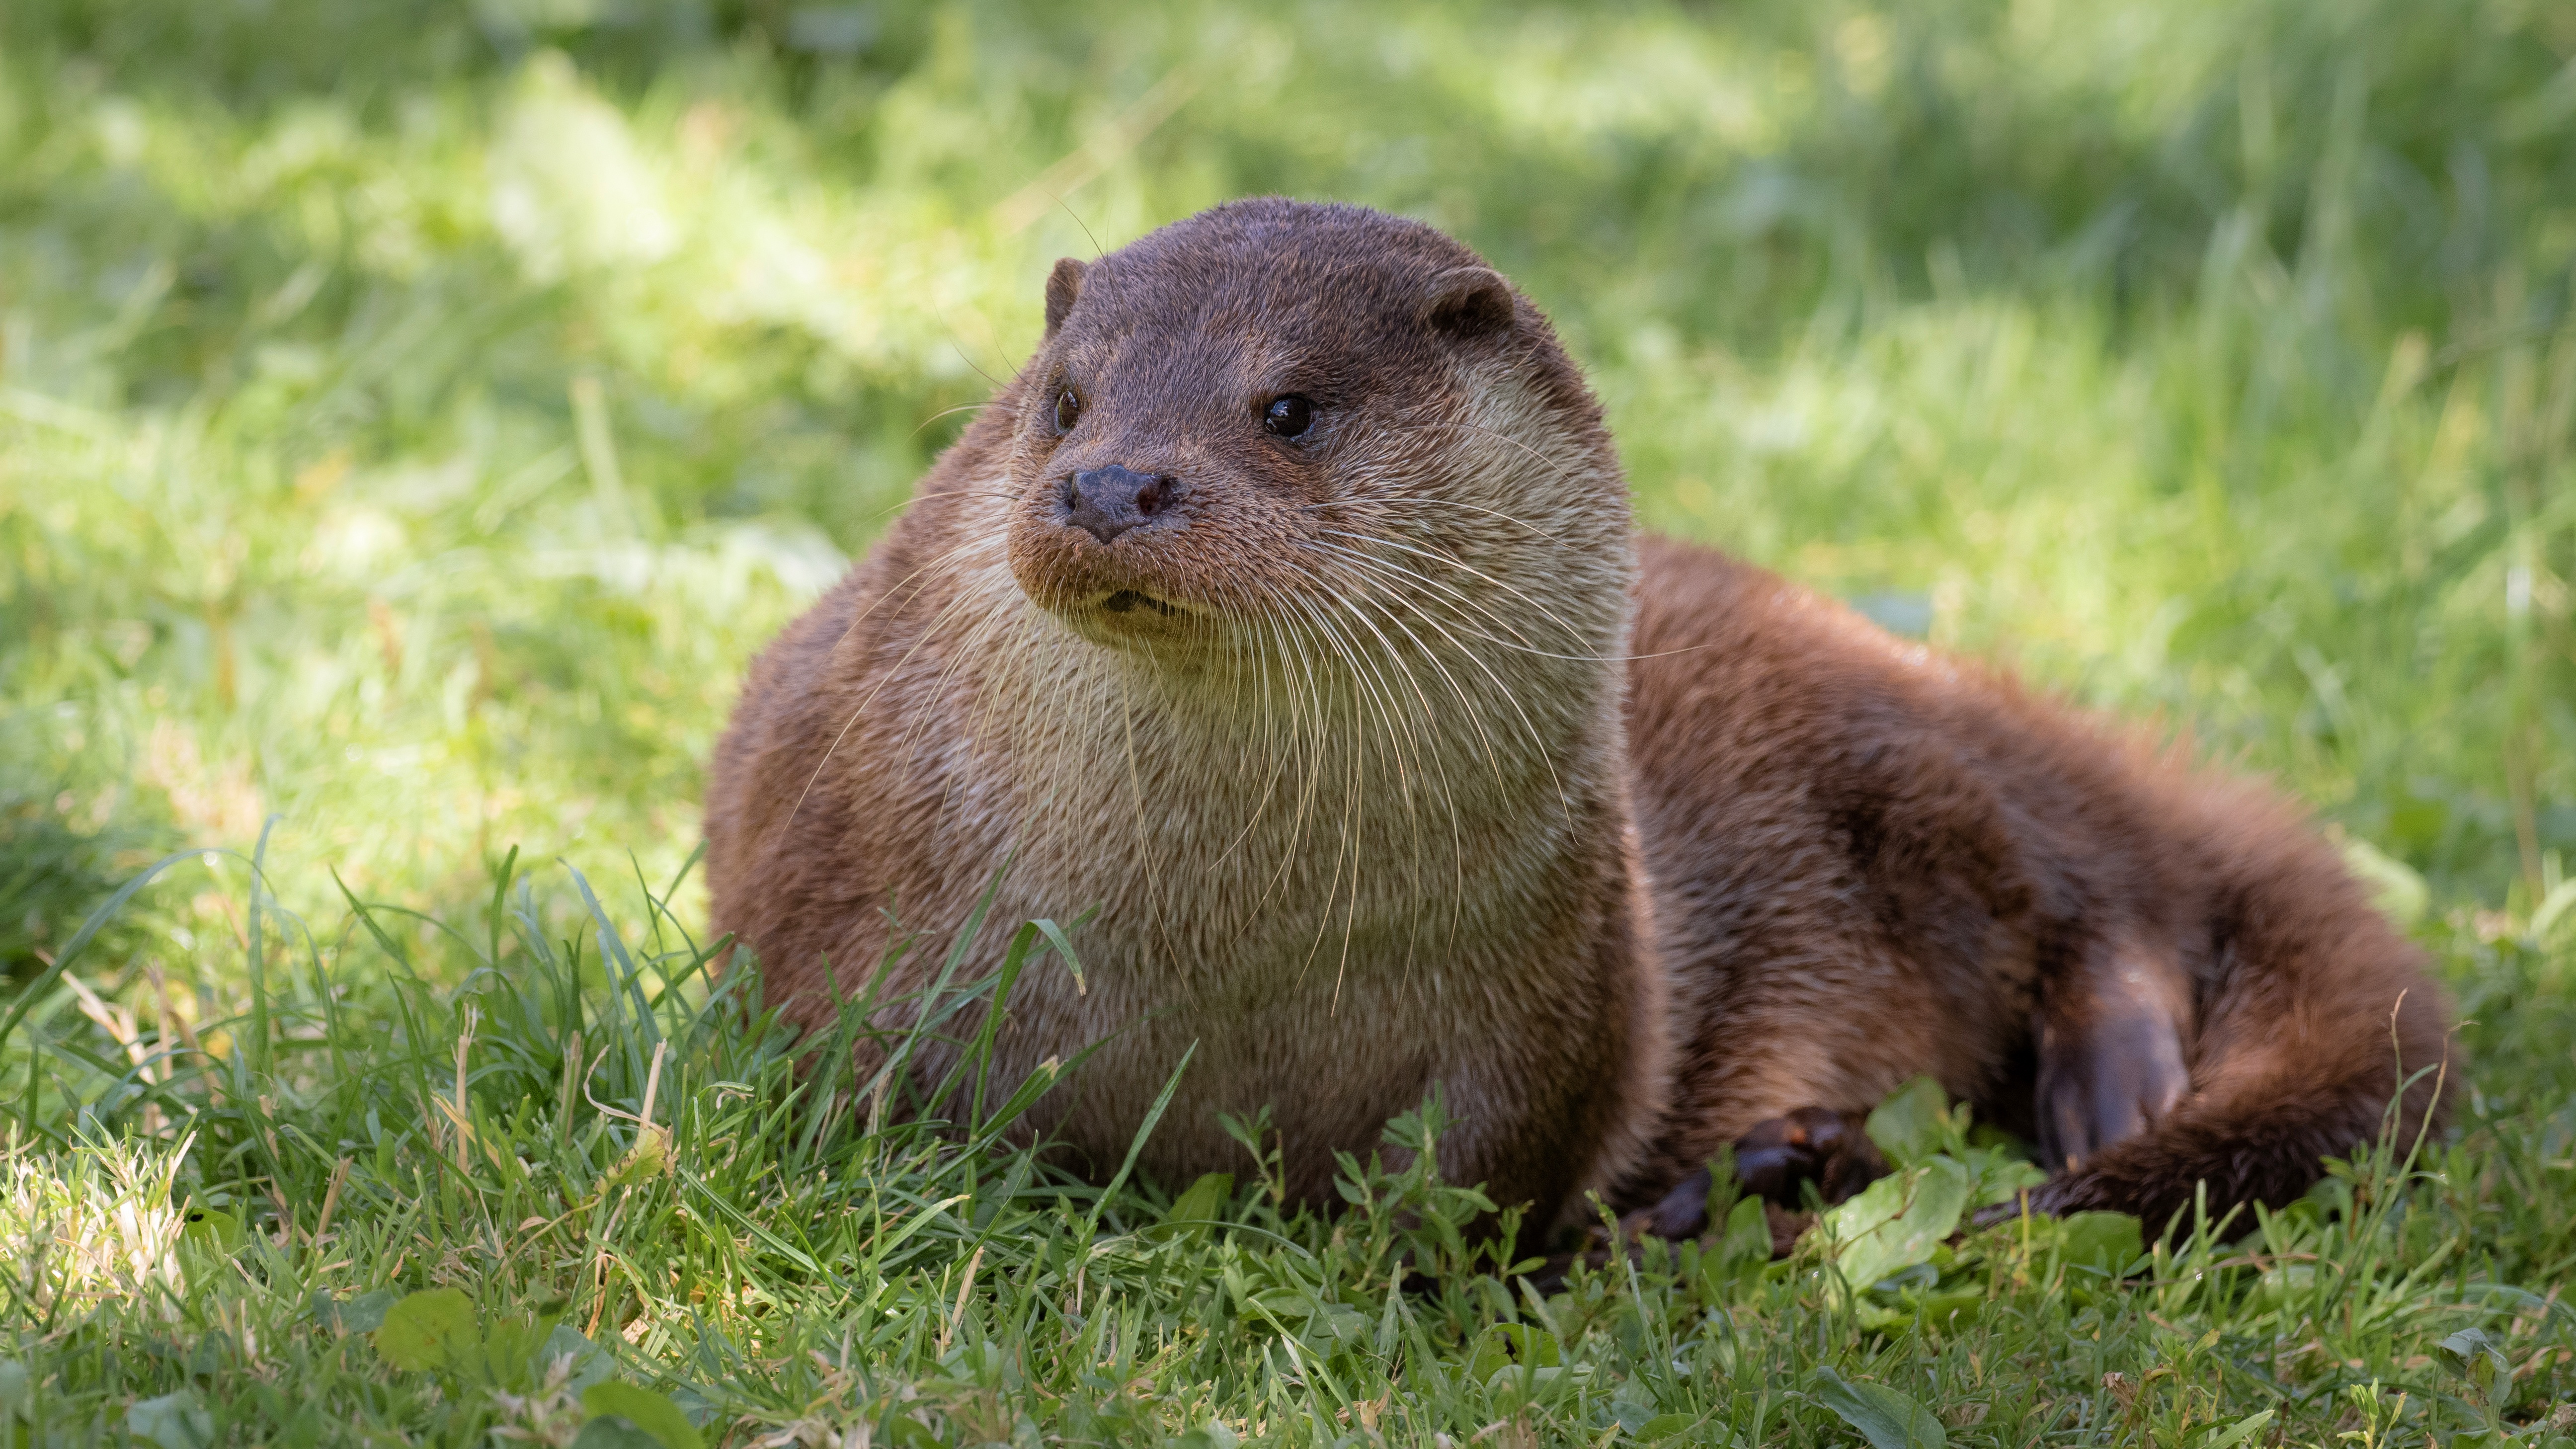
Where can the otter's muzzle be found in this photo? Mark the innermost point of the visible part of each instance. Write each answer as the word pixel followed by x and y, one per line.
pixel 1106 502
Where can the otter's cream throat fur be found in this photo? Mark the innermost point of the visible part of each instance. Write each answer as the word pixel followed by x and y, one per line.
pixel 1285 607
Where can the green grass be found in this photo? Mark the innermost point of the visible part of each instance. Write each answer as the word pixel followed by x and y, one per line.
pixel 412 416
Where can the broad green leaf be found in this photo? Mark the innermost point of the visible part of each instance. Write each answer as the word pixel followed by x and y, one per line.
pixel 2109 1242
pixel 1748 1234
pixel 657 1416
pixel 208 1238
pixel 1534 1346
pixel 1194 1209
pixel 172 1421
pixel 2463 1348
pixel 1492 1355
pixel 1898 1220
pixel 13 1388
pixel 1210 1435
pixel 612 1431
pixel 1869 1209
pixel 1337 1324
pixel 590 1363
pixel 1886 1418
pixel 2237 1432
pixel 2002 1174
pixel 2474 1356
pixel 430 1332
pixel 908 1432
pixel 363 1314
pixel 1942 1310
pixel 1908 1126
pixel 1968 1296
pixel 647 1159
pixel 211 1228
pixel 1515 1353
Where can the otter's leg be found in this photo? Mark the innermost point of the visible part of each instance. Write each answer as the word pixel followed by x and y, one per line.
pixel 2319 1034
pixel 2110 1052
pixel 1775 1161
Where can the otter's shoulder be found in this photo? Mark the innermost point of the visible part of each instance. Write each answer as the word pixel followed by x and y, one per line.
pixel 797 692
pixel 1708 624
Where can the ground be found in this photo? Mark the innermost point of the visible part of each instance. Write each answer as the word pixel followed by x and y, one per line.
pixel 413 415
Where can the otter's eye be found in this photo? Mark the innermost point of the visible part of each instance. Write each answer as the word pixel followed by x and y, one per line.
pixel 1287 417
pixel 1068 411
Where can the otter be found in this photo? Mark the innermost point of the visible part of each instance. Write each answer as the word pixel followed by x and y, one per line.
pixel 1287 608
pixel 1276 608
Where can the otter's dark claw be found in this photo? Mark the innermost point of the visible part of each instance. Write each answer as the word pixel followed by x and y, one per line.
pixel 1811 1144
pixel 1774 1162
pixel 1683 1212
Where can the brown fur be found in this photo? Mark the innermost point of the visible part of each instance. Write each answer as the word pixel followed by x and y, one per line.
pixel 1345 843
pixel 1339 736
pixel 1875 861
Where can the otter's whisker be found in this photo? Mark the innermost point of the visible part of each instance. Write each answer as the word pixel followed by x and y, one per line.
pixel 1306 722
pixel 1449 595
pixel 1416 500
pixel 1153 872
pixel 1404 731
pixel 1571 631
pixel 1258 664
pixel 1559 470
pixel 1376 691
pixel 1437 757
pixel 1519 641
pixel 949 412
pixel 1538 740
pixel 996 587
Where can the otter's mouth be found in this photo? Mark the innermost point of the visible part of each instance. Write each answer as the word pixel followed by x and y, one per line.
pixel 1127 601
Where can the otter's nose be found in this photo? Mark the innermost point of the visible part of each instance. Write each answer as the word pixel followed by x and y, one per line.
pixel 1106 502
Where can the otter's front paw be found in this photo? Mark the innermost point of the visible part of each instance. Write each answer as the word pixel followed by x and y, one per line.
pixel 1774 1162
pixel 1681 1213
pixel 1777 1158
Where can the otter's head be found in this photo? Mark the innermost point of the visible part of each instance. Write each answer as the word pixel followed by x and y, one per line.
pixel 1278 420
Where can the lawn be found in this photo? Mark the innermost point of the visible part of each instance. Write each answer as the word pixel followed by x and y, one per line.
pixel 413 415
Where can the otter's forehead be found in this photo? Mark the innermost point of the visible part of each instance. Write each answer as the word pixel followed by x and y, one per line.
pixel 1269 283
pixel 1323 245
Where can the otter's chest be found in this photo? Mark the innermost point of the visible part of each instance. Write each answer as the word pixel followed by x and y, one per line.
pixel 1330 1046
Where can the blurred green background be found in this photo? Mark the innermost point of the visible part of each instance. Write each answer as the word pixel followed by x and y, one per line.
pixel 412 415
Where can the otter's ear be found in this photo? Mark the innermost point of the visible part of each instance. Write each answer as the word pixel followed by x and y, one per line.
pixel 1064 284
pixel 1469 302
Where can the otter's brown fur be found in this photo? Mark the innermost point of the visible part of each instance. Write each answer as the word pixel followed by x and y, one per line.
pixel 1340 732
pixel 1872 860
pixel 1353 803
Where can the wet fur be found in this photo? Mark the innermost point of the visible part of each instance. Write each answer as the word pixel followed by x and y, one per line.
pixel 1372 802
